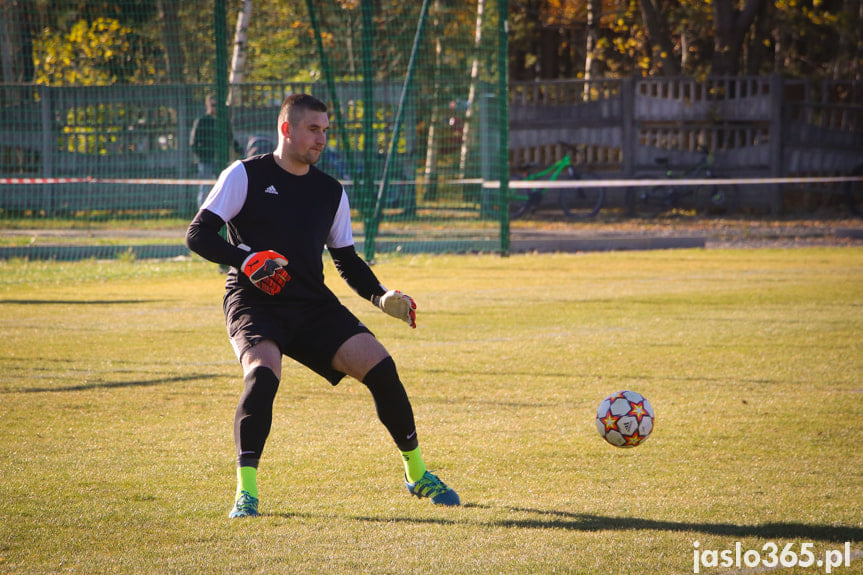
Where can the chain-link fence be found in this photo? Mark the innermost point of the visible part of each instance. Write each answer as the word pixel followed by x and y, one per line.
pixel 118 116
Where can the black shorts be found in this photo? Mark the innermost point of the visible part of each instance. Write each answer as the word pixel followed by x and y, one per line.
pixel 310 335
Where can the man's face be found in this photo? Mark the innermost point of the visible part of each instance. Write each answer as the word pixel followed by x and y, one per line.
pixel 306 139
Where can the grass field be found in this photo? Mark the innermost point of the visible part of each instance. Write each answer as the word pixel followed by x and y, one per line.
pixel 118 388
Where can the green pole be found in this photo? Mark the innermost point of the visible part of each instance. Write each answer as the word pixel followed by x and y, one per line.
pixel 369 144
pixel 503 121
pixel 399 115
pixel 220 34
pixel 331 87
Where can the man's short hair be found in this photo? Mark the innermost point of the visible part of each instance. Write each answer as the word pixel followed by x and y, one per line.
pixel 295 106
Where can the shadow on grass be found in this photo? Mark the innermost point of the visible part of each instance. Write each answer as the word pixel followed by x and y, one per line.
pixel 552 519
pixel 75 301
pixel 114 384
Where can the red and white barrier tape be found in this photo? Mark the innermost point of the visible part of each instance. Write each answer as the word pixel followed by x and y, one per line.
pixel 546 184
pixel 550 184
pixel 89 180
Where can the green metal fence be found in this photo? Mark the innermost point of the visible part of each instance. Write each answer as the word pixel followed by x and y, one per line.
pixel 99 101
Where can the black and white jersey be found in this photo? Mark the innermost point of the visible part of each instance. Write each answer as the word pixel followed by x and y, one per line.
pixel 267 208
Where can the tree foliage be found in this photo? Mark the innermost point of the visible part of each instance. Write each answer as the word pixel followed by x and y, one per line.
pixel 157 41
pixel 797 38
pixel 103 51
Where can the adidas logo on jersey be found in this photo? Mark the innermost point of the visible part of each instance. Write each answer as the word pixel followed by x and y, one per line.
pixel 271 190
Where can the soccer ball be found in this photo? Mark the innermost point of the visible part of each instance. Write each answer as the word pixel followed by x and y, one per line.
pixel 625 419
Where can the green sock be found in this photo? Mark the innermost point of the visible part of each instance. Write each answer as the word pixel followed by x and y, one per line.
pixel 415 467
pixel 247 480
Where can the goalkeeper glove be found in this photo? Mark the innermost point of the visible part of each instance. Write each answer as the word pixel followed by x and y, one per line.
pixel 266 270
pixel 400 306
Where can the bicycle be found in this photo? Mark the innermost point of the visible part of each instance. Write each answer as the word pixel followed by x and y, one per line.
pixel 575 202
pixel 853 191
pixel 667 197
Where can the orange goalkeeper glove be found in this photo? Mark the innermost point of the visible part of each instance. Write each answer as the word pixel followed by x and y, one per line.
pixel 267 271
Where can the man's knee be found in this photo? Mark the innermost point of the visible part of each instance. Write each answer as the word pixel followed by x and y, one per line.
pixel 358 355
pixel 254 415
pixel 259 392
pixel 264 354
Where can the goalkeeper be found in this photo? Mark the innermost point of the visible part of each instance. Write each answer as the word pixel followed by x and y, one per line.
pixel 281 211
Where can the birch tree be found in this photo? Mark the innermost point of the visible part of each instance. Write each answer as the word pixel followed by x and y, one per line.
pixel 471 97
pixel 591 63
pixel 238 59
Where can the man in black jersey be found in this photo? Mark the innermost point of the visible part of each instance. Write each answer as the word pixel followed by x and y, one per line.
pixel 281 211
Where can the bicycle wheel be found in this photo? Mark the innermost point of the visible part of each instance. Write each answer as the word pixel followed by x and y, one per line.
pixel 523 202
pixel 581 202
pixel 650 203
pixel 713 199
pixel 854 193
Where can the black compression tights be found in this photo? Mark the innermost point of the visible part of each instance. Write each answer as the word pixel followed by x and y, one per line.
pixel 391 401
pixel 254 415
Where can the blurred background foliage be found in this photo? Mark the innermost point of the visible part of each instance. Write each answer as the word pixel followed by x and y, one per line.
pixel 98 42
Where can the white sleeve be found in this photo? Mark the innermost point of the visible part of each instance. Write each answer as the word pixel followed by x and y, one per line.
pixel 341 235
pixel 228 195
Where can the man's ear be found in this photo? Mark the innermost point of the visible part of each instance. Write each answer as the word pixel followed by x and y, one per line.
pixel 285 129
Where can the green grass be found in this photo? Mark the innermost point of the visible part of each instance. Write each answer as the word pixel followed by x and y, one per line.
pixel 118 388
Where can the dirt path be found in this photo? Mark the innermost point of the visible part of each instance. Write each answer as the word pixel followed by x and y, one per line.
pixel 716 233
pixel 557 235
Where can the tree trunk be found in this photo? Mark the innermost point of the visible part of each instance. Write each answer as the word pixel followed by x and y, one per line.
pixel 532 16
pixel 16 42
pixel 591 64
pixel 238 60
pixel 756 50
pixel 660 38
pixel 850 43
pixel 169 23
pixel 471 97
pixel 731 25
pixel 430 170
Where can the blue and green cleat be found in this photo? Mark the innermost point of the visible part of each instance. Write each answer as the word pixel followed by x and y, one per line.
pixel 430 486
pixel 244 506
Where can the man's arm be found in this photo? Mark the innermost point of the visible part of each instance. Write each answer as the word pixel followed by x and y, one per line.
pixel 203 238
pixel 265 269
pixel 362 279
pixel 357 273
